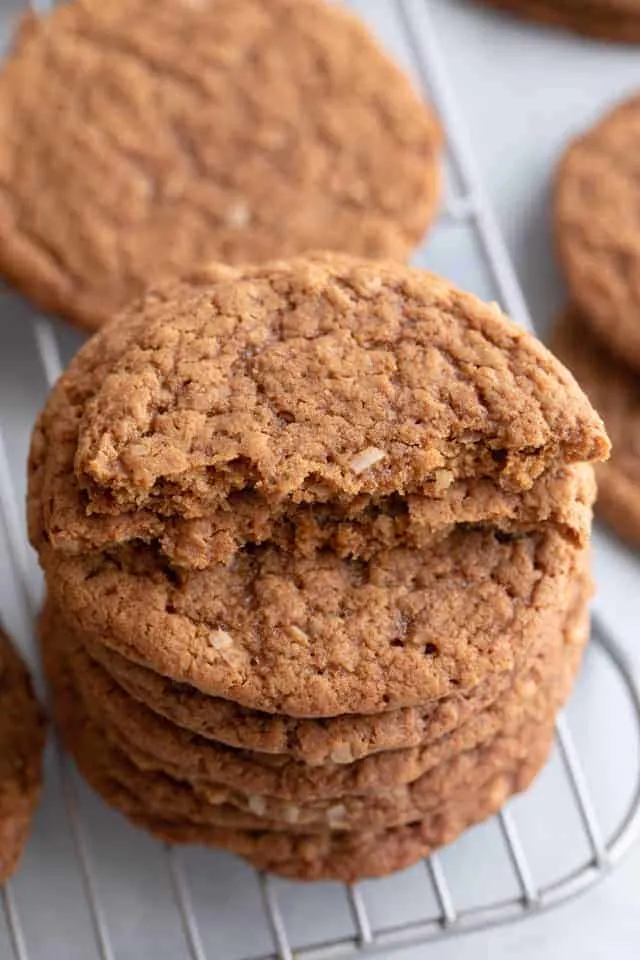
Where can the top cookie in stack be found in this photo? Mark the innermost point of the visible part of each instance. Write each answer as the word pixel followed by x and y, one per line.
pixel 317 488
pixel 186 132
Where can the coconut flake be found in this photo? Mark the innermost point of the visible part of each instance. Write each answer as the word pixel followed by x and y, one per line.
pixel 366 459
pixel 257 805
pixel 298 634
pixel 336 815
pixel 291 813
pixel 238 215
pixel 229 650
pixel 342 754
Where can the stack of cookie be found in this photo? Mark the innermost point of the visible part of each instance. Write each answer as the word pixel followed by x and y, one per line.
pixel 598 336
pixel 315 536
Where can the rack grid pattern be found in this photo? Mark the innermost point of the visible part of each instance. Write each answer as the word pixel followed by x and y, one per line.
pixel 464 205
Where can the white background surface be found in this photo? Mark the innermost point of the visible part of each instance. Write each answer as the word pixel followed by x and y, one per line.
pixel 522 91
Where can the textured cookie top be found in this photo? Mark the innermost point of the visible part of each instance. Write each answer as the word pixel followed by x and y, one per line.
pixel 186 132
pixel 323 636
pixel 21 745
pixel 598 232
pixel 307 381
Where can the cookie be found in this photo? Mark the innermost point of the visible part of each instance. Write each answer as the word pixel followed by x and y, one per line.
pixel 167 795
pixel 617 20
pixel 332 854
pixel 168 747
pixel 615 390
pixel 213 407
pixel 190 132
pixel 598 238
pixel 22 734
pixel 323 636
pixel 336 741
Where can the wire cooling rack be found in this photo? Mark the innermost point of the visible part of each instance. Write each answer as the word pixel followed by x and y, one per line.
pixel 94 888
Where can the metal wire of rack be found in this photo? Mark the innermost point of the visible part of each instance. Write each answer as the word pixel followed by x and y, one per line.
pixel 465 205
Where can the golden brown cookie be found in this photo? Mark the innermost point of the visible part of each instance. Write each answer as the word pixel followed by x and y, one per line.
pixel 596 199
pixel 166 747
pixel 22 734
pixel 617 20
pixel 189 132
pixel 379 395
pixel 615 391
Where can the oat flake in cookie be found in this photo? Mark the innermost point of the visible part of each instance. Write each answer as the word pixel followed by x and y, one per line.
pixel 597 196
pixel 188 132
pixel 22 734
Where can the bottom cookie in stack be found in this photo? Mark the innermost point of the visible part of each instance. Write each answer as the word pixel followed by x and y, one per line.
pixel 305 821
pixel 614 390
